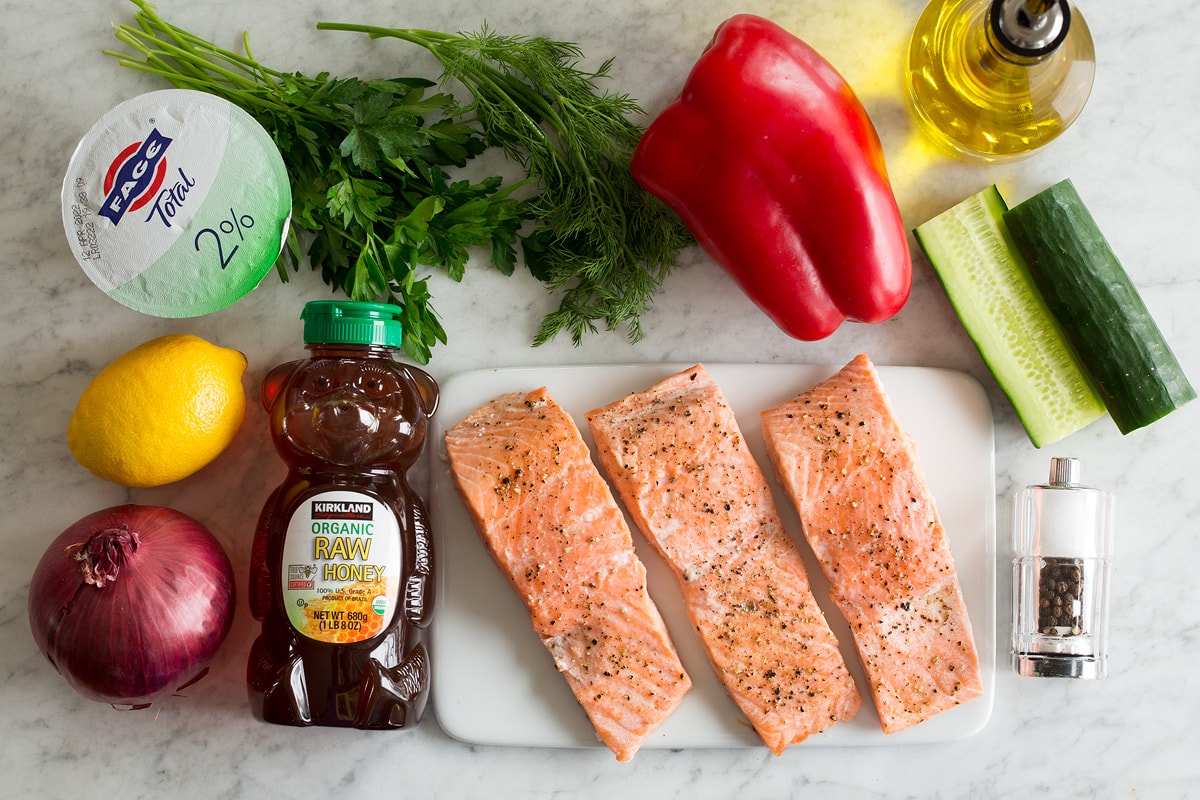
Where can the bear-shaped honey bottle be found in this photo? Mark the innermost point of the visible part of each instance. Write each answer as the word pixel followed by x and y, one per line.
pixel 342 562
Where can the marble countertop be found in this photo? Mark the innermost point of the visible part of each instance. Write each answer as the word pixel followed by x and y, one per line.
pixel 1132 155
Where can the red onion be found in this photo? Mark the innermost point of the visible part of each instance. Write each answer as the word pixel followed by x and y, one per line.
pixel 131 603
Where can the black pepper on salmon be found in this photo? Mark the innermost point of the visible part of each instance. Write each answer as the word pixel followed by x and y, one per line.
pixel 678 461
pixel 551 524
pixel 857 483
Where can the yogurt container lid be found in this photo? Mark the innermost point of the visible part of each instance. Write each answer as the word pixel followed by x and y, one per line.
pixel 176 203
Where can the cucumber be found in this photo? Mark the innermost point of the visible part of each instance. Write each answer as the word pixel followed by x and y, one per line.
pixel 989 285
pixel 1115 339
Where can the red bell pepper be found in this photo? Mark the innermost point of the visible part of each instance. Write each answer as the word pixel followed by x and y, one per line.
pixel 773 164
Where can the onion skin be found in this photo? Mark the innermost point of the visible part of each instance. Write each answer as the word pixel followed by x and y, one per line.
pixel 151 615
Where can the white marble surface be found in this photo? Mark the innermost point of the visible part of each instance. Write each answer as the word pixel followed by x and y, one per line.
pixel 1132 155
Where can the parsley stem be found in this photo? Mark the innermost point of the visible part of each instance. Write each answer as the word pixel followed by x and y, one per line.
pixel 191 68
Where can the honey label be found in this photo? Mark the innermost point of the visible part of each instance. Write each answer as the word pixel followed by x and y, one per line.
pixel 341 565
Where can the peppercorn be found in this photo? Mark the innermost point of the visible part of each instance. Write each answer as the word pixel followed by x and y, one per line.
pixel 1060 596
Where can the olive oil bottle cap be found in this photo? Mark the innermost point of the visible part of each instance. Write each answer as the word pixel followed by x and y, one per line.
pixel 1030 28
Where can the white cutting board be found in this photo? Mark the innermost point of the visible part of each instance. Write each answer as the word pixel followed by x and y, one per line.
pixel 494 682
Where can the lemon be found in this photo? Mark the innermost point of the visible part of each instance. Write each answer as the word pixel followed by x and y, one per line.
pixel 159 412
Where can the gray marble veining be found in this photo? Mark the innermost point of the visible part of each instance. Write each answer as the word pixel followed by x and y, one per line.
pixel 1132 155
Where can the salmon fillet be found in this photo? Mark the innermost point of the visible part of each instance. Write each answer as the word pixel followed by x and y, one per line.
pixel 676 457
pixel 553 527
pixel 869 516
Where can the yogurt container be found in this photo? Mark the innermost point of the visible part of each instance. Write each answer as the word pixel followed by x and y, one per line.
pixel 176 203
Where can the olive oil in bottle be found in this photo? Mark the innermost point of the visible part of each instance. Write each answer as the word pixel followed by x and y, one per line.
pixel 990 80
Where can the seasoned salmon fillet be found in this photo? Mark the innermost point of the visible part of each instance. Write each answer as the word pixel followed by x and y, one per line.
pixel 677 459
pixel 552 525
pixel 856 481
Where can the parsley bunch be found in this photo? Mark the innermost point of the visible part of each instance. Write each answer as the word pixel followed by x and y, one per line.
pixel 374 200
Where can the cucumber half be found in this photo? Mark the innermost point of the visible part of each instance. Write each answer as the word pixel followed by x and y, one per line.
pixel 990 287
pixel 1105 320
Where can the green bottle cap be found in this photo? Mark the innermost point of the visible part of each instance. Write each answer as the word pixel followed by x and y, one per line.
pixel 352 322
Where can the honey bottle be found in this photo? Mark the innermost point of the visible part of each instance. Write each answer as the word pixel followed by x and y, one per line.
pixel 990 80
pixel 342 562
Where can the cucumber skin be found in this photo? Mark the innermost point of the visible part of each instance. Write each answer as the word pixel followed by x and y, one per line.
pixel 988 338
pixel 1103 316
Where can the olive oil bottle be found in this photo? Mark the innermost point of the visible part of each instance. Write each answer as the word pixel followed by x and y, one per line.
pixel 990 80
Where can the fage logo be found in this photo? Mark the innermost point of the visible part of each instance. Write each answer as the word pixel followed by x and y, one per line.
pixel 134 176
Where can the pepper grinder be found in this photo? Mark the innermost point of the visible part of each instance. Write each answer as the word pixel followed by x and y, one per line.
pixel 1063 537
pixel 990 80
